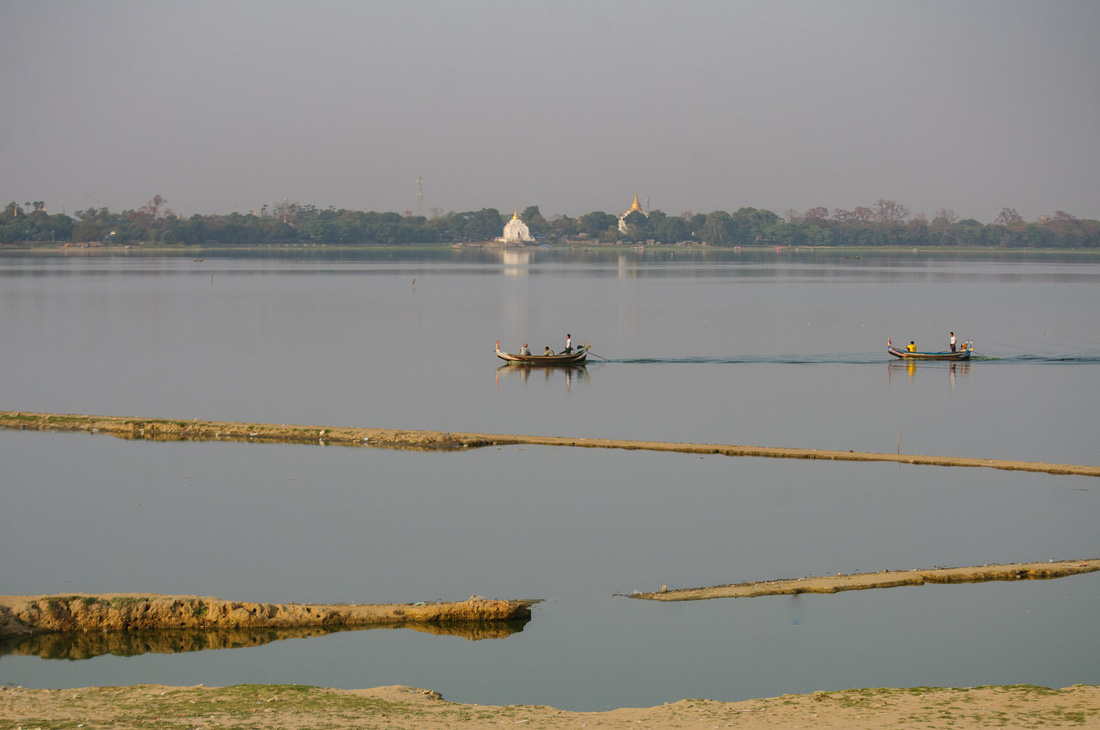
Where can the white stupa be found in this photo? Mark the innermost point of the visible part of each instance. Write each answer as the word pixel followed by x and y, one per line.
pixel 516 231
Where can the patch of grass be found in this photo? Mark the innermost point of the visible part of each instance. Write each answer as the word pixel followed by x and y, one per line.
pixel 244 701
pixel 1031 689
pixel 56 604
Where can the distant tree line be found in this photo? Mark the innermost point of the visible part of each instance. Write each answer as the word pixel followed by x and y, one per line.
pixel 887 223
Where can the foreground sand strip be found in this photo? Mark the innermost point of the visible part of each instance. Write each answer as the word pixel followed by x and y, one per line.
pixel 25 615
pixel 293 707
pixel 195 430
pixel 885 579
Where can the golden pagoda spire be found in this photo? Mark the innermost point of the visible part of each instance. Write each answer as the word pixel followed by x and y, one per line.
pixel 515 216
pixel 634 206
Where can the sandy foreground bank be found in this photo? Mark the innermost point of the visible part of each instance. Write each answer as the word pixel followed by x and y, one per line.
pixel 295 707
pixel 195 430
pixel 26 615
pixel 885 579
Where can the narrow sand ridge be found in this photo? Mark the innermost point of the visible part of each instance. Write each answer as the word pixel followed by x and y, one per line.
pixel 25 615
pixel 195 430
pixel 885 579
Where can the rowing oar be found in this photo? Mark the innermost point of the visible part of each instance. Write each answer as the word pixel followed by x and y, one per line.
pixel 595 355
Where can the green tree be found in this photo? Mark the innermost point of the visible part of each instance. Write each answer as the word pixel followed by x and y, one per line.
pixel 195 232
pixel 534 220
pixel 596 223
pixel 750 225
pixel 637 226
pixel 653 223
pixel 718 229
pixel 695 222
pixel 483 225
pixel 11 212
pixel 152 218
pixel 817 236
pixel 561 226
pixel 672 229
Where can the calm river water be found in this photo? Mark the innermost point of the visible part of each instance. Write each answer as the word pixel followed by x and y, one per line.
pixel 752 348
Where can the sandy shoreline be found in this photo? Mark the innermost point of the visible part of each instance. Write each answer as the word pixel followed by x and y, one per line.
pixel 296 707
pixel 196 430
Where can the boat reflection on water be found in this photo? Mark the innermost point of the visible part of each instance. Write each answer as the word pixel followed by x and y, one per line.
pixel 549 373
pixel 910 367
pixel 73 645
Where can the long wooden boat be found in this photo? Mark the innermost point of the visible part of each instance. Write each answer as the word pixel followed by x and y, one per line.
pixel 574 358
pixel 963 354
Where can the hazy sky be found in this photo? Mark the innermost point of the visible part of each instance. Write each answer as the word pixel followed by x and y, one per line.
pixel 572 106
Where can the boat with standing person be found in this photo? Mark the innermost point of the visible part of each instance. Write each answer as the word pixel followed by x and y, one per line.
pixel 576 357
pixel 963 354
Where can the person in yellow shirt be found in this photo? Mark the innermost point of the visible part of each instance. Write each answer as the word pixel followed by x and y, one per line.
pixel 911 347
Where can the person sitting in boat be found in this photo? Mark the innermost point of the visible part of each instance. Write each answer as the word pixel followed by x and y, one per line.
pixel 911 347
pixel 547 351
pixel 523 350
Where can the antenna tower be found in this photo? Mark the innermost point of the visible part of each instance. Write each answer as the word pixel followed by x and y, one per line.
pixel 419 196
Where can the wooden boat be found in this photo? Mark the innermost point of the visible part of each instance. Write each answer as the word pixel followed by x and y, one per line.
pixel 574 358
pixel 963 354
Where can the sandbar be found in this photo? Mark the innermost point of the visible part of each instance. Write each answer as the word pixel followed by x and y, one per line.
pixel 885 579
pixel 26 615
pixel 161 429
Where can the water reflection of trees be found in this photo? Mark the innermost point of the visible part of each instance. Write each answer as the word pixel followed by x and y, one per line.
pixel 86 645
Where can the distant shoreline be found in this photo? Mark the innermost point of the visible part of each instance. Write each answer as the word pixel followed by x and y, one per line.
pixel 92 247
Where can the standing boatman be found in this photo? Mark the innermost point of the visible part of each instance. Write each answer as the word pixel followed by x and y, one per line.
pixel 568 344
pixel 953 343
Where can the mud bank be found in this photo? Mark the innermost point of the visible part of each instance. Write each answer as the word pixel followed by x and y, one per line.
pixel 195 430
pixel 26 615
pixel 885 579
